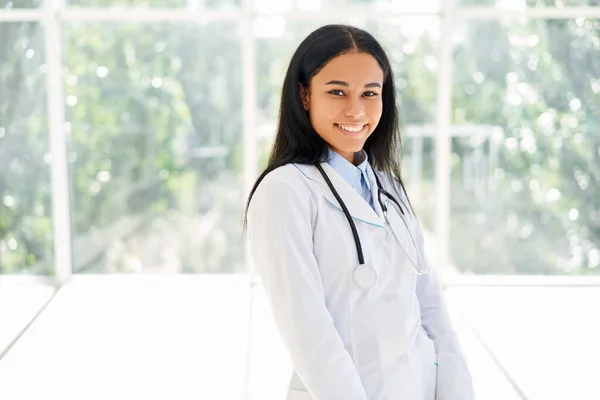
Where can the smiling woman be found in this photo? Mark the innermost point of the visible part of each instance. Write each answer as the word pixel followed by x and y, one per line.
pixel 357 325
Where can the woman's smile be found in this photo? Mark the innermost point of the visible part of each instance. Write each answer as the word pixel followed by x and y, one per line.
pixel 354 129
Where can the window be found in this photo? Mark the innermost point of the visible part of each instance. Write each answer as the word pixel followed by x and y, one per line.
pixel 25 194
pixel 155 147
pixel 525 171
pixel 155 121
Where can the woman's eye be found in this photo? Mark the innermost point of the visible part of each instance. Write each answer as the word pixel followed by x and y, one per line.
pixel 369 94
pixel 336 92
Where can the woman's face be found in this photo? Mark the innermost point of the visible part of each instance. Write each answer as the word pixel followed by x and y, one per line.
pixel 344 101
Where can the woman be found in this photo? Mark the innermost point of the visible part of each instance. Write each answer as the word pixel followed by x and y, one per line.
pixel 335 240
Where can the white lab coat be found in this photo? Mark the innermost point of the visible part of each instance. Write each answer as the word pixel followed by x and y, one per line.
pixel 391 342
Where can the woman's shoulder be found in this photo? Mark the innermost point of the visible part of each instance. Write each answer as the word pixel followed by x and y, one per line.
pixel 287 175
pixel 283 185
pixel 288 178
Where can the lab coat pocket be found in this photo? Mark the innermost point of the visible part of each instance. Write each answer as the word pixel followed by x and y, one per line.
pixel 295 394
pixel 453 378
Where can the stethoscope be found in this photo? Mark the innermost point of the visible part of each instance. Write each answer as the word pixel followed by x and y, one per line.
pixel 364 275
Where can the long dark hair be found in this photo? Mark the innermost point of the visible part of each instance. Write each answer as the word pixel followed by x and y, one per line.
pixel 296 140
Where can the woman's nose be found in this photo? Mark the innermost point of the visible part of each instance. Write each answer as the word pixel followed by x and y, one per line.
pixel 355 109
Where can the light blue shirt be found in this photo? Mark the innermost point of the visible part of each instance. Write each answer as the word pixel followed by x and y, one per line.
pixel 356 176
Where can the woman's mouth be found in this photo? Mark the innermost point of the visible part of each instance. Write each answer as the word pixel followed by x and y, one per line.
pixel 352 129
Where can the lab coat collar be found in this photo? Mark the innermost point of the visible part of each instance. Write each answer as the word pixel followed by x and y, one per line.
pixel 359 209
pixel 404 232
pixel 401 226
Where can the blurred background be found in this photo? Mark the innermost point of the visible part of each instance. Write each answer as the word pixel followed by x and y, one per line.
pixel 132 130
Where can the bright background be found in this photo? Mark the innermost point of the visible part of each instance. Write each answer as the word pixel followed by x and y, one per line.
pixel 131 132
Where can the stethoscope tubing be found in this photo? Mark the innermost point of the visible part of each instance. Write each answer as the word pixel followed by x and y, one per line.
pixel 361 258
pixel 380 190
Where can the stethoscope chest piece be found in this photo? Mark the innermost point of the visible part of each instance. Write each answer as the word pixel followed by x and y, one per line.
pixel 365 277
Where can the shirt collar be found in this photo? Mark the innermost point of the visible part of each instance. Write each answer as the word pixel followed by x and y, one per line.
pixel 362 155
pixel 349 171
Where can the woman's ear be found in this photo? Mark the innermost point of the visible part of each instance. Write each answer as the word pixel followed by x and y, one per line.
pixel 304 96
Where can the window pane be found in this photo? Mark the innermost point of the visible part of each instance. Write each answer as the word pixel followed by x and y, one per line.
pixel 155 149
pixel 25 197
pixel 411 45
pixel 517 4
pixel 195 4
pixel 526 159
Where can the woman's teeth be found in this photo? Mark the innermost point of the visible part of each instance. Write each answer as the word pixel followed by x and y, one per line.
pixel 352 128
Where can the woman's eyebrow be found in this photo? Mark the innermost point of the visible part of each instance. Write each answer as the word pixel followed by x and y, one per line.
pixel 342 83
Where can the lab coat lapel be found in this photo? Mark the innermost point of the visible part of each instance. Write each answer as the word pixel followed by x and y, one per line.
pixel 402 230
pixel 357 206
